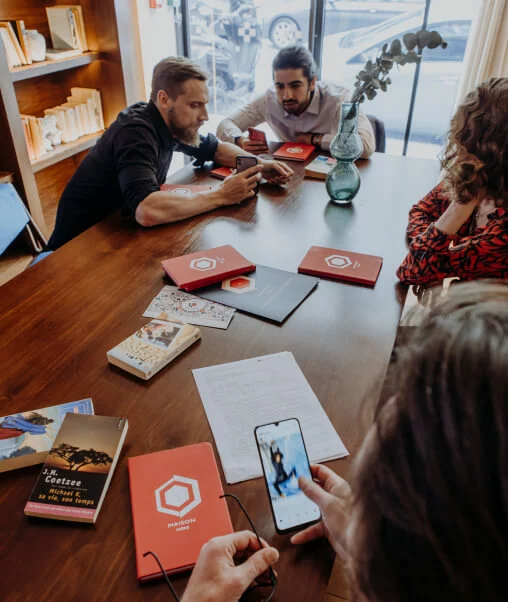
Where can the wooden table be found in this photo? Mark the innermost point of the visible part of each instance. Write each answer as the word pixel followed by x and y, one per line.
pixel 60 317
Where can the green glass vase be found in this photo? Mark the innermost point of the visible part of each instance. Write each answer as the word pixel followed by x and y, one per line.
pixel 343 181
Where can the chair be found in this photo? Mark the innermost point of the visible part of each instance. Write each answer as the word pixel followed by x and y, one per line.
pixel 379 133
pixel 15 218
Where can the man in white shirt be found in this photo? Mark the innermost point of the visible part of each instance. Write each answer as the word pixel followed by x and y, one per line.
pixel 298 108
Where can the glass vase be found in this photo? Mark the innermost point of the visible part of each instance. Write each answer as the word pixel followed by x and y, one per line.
pixel 343 181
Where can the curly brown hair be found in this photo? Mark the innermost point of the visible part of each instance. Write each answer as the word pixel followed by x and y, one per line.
pixel 476 157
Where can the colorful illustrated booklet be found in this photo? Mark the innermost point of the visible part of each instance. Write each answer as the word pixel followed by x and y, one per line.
pixel 172 303
pixel 78 469
pixel 27 437
pixel 152 347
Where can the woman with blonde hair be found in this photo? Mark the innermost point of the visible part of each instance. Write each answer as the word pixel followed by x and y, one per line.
pixel 461 227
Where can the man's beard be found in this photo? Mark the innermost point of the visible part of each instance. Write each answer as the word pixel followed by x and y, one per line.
pixel 188 136
pixel 294 108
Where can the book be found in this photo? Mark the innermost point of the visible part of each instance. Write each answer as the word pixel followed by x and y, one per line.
pixel 202 268
pixel 293 151
pixel 55 54
pixel 15 45
pixel 176 507
pixel 267 292
pixel 173 303
pixel 320 167
pixel 78 469
pixel 341 265
pixel 185 188
pixel 152 347
pixel 27 437
pixel 222 172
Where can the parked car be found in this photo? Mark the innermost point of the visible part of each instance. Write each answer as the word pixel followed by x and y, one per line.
pixel 287 21
pixel 439 76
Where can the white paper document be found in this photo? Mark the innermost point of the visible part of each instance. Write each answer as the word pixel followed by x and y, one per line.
pixel 239 396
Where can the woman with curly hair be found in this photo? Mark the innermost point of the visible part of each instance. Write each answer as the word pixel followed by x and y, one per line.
pixel 461 227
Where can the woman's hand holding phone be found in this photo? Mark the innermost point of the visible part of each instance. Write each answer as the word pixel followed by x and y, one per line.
pixel 331 493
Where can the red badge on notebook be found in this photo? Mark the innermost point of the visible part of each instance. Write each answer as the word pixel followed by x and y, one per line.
pixel 293 151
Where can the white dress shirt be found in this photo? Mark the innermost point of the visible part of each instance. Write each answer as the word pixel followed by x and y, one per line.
pixel 320 117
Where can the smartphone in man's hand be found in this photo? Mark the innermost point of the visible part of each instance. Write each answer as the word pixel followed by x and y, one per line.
pixel 258 135
pixel 243 162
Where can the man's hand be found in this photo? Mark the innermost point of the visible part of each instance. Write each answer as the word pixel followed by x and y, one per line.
pixel 304 138
pixel 276 172
pixel 332 496
pixel 217 577
pixel 240 186
pixel 256 147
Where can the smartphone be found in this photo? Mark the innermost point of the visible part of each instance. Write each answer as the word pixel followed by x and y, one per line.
pixel 258 135
pixel 244 162
pixel 284 459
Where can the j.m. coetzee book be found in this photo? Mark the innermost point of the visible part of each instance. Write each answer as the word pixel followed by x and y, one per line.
pixel 78 469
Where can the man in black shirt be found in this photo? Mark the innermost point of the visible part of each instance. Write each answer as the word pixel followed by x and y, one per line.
pixel 131 159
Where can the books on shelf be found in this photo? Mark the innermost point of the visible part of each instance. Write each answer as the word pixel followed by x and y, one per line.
pixel 294 151
pixel 12 34
pixel 55 54
pixel 81 115
pixel 152 347
pixel 341 265
pixel 176 507
pixel 78 468
pixel 202 268
pixel 27 437
pixel 320 167
pixel 67 27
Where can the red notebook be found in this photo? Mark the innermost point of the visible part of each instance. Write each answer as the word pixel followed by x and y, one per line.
pixel 176 507
pixel 185 188
pixel 222 172
pixel 341 265
pixel 293 151
pixel 206 267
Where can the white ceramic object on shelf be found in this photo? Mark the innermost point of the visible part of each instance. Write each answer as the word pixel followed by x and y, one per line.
pixel 36 43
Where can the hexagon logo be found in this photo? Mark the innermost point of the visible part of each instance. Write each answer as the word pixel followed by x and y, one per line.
pixel 338 261
pixel 294 150
pixel 239 285
pixel 182 190
pixel 202 264
pixel 178 496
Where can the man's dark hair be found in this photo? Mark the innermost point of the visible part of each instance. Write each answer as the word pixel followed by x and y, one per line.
pixel 431 494
pixel 171 73
pixel 295 57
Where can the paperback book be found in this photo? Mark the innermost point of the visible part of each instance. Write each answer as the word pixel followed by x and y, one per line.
pixel 267 292
pixel 172 303
pixel 342 265
pixel 200 269
pixel 176 507
pixel 293 151
pixel 320 167
pixel 27 437
pixel 78 469
pixel 222 172
pixel 152 347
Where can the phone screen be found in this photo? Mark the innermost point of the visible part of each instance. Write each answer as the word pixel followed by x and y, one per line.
pixel 284 459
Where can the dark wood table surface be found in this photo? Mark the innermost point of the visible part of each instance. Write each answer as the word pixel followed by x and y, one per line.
pixel 58 319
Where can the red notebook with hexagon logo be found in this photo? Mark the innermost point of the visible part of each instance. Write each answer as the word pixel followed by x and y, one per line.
pixel 341 265
pixel 195 270
pixel 176 507
pixel 293 151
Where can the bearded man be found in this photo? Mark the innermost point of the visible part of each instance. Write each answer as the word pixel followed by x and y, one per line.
pixel 298 108
pixel 129 163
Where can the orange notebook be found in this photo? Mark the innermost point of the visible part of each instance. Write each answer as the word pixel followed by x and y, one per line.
pixel 185 188
pixel 341 265
pixel 293 151
pixel 222 172
pixel 206 267
pixel 176 507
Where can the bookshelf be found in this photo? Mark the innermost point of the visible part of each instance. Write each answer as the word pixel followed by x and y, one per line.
pixel 32 88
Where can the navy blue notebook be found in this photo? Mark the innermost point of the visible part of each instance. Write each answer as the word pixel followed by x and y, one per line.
pixel 267 292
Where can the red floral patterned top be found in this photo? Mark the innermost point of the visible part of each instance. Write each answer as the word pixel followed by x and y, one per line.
pixel 474 252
